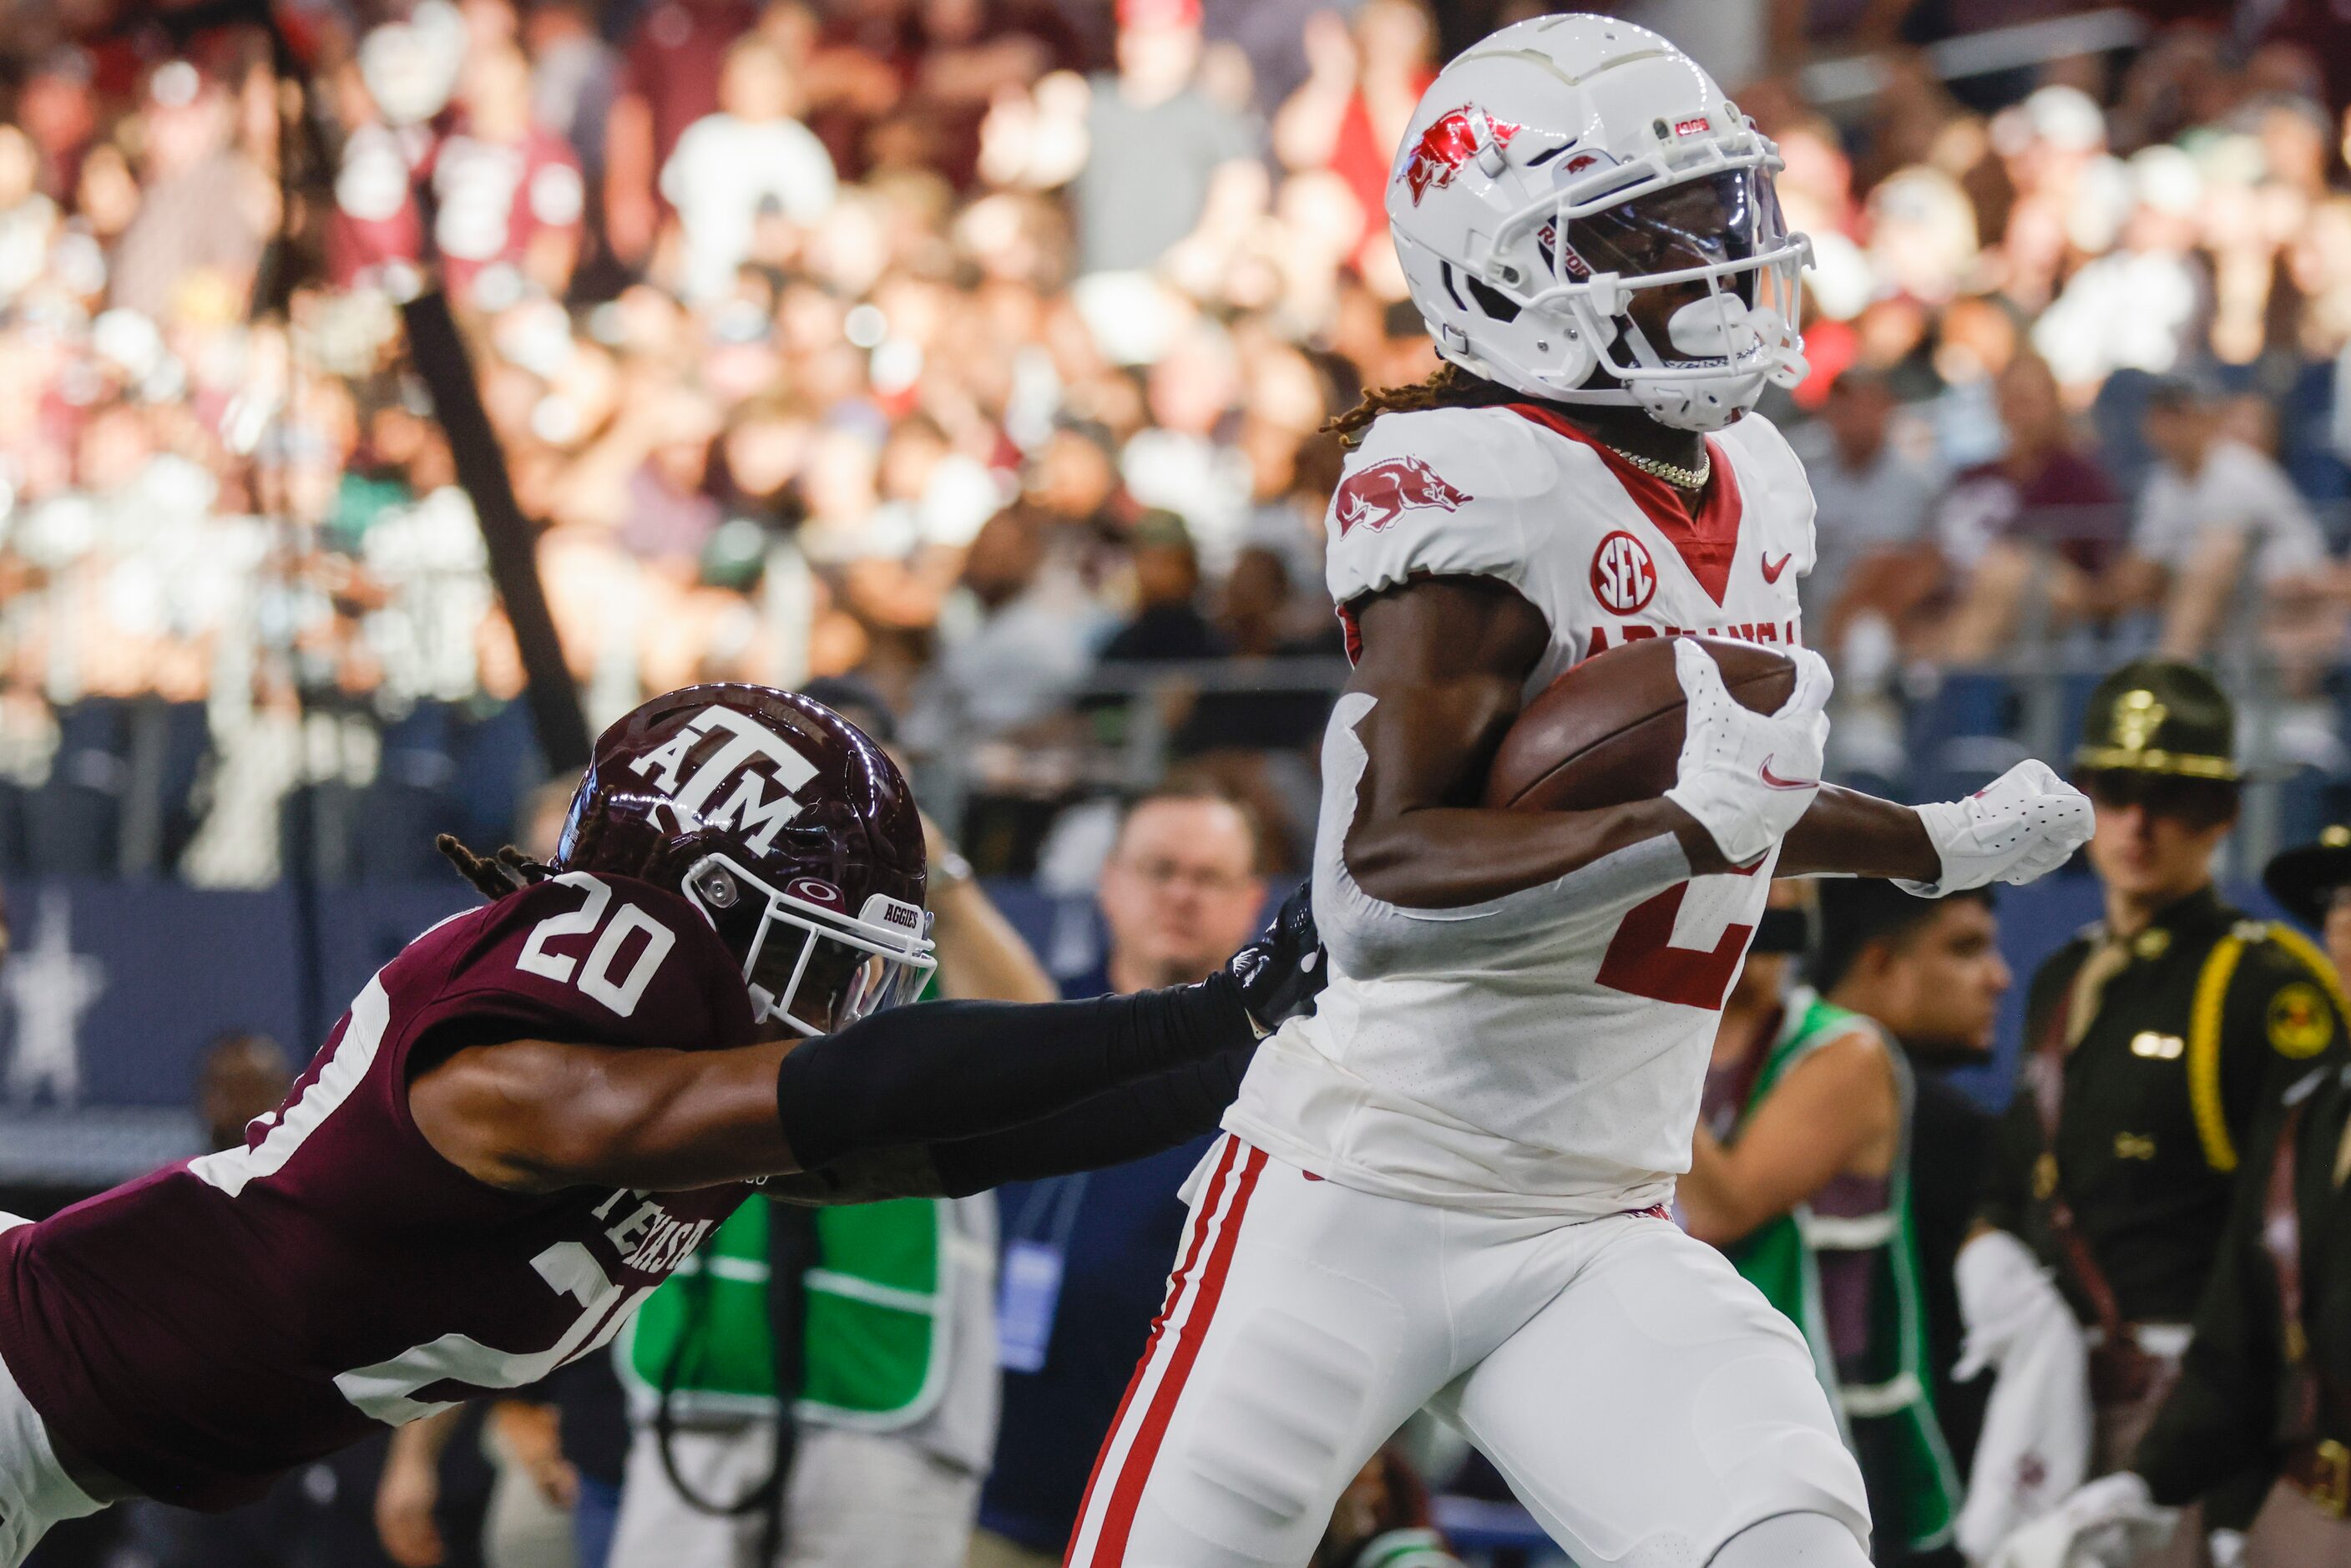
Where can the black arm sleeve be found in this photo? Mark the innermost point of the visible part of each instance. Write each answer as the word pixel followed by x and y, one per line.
pixel 940 1071
pixel 1127 1123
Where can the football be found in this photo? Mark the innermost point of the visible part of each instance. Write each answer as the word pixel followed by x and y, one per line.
pixel 1610 730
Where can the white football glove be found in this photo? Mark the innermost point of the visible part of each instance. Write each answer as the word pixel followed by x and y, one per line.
pixel 1748 777
pixel 2022 825
pixel 2109 1523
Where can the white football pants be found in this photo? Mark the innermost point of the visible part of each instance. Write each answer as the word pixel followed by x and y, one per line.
pixel 1645 1402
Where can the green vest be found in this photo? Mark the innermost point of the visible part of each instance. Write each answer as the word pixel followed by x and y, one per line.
pixel 876 1339
pixel 1780 1259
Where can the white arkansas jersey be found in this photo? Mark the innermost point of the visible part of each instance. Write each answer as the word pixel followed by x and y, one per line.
pixel 1541 1053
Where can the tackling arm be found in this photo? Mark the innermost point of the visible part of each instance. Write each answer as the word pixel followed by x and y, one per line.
pixel 1142 1118
pixel 536 1116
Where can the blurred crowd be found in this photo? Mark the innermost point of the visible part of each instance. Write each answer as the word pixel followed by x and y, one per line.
pixel 980 347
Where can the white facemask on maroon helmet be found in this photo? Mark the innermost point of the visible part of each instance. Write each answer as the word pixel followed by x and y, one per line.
pixel 792 832
pixel 1553 172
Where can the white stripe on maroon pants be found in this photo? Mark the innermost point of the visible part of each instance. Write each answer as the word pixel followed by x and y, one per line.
pixel 1132 1445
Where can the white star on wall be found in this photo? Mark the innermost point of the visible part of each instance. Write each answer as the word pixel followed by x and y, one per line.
pixel 48 986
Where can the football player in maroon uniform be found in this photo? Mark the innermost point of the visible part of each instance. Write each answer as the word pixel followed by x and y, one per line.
pixel 540 1108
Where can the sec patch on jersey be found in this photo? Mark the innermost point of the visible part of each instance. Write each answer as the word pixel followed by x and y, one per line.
pixel 1623 575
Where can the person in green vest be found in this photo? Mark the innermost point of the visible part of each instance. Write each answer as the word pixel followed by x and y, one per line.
pixel 1931 973
pixel 878 1318
pixel 1800 1172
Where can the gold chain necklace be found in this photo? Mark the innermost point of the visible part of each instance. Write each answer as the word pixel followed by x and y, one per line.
pixel 1673 474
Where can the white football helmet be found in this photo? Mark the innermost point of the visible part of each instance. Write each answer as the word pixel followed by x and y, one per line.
pixel 1565 164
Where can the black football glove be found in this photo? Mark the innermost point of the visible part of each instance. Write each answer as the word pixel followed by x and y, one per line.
pixel 1281 973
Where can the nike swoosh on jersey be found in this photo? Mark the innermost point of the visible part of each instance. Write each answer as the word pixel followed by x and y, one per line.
pixel 1771 572
pixel 1772 780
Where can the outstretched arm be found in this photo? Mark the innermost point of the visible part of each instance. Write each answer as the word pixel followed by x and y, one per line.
pixel 1848 834
pixel 536 1115
pixel 1130 1123
pixel 2022 825
pixel 1445 660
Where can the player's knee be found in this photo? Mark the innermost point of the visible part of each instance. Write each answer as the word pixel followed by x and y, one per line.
pixel 1777 1453
pixel 1793 1540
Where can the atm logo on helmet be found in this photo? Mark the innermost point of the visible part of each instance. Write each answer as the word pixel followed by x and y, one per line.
pixel 751 759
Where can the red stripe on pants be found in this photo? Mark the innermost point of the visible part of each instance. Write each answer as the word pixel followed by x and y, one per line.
pixel 1118 1521
pixel 1201 1219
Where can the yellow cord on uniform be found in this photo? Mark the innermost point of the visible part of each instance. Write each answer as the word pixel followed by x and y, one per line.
pixel 2204 1052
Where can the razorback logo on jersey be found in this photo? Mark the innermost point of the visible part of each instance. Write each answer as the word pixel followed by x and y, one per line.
pixel 751 758
pixel 1624 578
pixel 1380 492
pixel 1449 142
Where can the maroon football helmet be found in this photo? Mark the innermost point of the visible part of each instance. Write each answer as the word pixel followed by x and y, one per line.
pixel 769 812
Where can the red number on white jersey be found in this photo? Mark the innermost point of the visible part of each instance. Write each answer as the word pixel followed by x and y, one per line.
pixel 1643 961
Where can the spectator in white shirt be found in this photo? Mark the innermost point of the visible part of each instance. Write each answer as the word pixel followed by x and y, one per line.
pixel 2135 307
pixel 1164 183
pixel 2214 508
pixel 1874 498
pixel 750 160
pixel 2227 553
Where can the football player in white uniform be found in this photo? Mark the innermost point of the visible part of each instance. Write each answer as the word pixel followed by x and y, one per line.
pixel 1449 1185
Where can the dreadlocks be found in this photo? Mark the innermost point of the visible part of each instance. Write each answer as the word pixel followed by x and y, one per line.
pixel 1447 386
pixel 494 876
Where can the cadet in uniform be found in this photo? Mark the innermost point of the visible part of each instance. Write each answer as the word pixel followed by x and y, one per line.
pixel 2268 1373
pixel 2152 1038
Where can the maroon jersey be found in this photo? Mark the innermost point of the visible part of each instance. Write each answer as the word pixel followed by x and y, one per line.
pixel 199 1331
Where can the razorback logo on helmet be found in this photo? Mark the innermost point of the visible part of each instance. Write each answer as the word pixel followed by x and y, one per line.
pixel 1449 142
pixel 748 746
pixel 1624 578
pixel 1378 494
